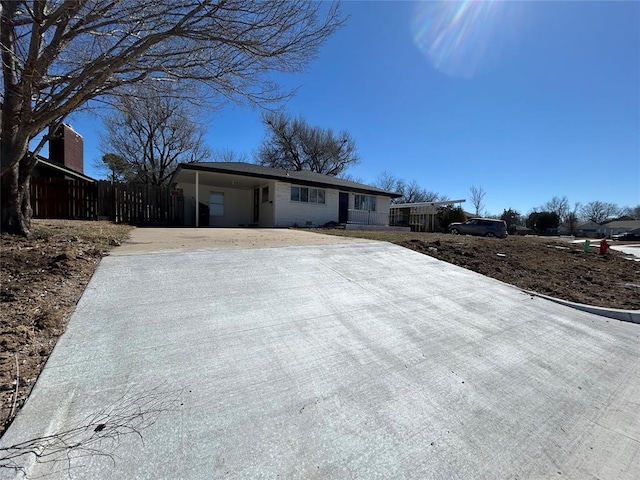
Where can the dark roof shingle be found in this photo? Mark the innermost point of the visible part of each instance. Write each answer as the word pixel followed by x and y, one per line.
pixel 304 177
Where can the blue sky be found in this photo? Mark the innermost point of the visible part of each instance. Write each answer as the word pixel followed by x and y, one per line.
pixel 528 100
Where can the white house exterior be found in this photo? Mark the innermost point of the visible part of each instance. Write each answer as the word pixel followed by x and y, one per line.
pixel 237 194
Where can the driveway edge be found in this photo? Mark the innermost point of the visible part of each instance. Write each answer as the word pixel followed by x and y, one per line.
pixel 632 316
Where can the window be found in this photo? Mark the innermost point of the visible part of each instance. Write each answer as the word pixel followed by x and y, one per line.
pixel 216 204
pixel 365 202
pixel 265 194
pixel 308 195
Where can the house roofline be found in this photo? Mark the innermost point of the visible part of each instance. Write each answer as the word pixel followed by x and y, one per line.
pixel 285 177
pixel 425 204
pixel 66 170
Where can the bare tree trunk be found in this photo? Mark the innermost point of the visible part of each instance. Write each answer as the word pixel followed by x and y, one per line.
pixel 16 204
pixel 15 195
pixel 57 56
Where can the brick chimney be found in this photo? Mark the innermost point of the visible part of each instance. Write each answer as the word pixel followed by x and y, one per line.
pixel 67 148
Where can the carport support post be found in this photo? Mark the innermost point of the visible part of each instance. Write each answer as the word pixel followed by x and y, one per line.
pixel 197 199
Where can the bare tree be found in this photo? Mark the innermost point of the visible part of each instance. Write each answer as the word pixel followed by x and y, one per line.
pixel 228 155
pixel 154 133
pixel 477 198
pixel 599 212
pixel 633 212
pixel 558 205
pixel 387 181
pixel 573 219
pixel 59 55
pixel 410 192
pixel 350 178
pixel 292 144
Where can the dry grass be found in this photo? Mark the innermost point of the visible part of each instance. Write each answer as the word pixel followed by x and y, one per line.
pixel 102 234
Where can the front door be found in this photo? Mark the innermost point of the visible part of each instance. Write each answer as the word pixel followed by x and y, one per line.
pixel 343 208
pixel 256 205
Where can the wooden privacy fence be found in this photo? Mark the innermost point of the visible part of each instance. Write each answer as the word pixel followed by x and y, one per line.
pixel 141 204
pixel 119 202
pixel 60 198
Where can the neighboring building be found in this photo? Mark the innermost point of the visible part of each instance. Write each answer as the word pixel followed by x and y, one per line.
pixel 594 230
pixel 589 229
pixel 67 147
pixel 66 157
pixel 620 226
pixel 47 169
pixel 564 229
pixel 236 194
pixel 420 217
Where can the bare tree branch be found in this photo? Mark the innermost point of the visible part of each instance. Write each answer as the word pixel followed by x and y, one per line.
pixel 58 55
pixel 558 205
pixel 153 131
pixel 599 212
pixel 292 144
pixel 410 192
pixel 477 198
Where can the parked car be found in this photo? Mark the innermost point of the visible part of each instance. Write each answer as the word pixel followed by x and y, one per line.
pixel 625 237
pixel 485 227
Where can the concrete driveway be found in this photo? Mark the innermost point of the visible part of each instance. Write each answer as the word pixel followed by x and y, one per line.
pixel 330 361
pixel 629 249
pixel 155 240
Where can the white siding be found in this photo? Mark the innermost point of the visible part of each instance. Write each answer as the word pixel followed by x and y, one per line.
pixel 238 205
pixel 278 211
pixel 383 205
pixel 288 213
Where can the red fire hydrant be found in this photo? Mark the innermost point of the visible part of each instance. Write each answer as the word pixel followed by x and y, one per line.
pixel 604 246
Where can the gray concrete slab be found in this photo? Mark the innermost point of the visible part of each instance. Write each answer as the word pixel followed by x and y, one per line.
pixel 361 360
pixel 156 240
pixel 629 249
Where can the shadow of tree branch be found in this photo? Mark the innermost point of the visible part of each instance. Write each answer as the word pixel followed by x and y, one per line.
pixel 98 434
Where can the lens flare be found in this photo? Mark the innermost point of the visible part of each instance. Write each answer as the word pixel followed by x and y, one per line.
pixel 464 38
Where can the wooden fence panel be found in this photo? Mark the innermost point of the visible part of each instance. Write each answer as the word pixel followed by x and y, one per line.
pixel 106 201
pixel 120 202
pixel 142 204
pixel 62 198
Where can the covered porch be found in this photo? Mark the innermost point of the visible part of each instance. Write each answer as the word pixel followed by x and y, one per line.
pixel 217 199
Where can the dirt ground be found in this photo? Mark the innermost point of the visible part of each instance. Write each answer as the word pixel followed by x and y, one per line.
pixel 42 278
pixel 547 265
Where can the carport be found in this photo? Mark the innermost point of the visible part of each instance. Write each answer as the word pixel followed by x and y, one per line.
pixel 235 199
